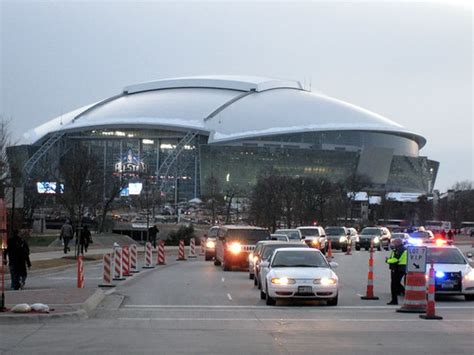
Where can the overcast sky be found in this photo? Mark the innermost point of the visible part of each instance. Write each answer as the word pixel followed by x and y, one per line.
pixel 411 62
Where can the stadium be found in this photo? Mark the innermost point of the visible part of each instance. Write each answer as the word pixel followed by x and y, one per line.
pixel 178 132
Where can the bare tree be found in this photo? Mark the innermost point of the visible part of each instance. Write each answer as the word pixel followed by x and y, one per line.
pixel 212 196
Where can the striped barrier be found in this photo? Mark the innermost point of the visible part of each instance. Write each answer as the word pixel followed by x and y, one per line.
pixel 126 262
pixel 430 307
pixel 148 256
pixel 80 272
pixel 415 293
pixel 369 294
pixel 181 255
pixel 118 264
pixel 202 250
pixel 161 253
pixel 192 248
pixel 107 271
pixel 134 259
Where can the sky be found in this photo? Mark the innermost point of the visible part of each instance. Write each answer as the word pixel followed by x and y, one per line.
pixel 408 61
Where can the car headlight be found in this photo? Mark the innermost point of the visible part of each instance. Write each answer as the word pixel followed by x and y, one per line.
pixel 325 281
pixel 211 244
pixel 357 239
pixel 470 275
pixel 342 240
pixel 376 240
pixel 315 242
pixel 283 281
pixel 235 248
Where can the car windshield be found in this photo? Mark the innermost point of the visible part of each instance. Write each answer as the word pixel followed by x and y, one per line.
pixel 445 256
pixel 335 231
pixel 309 232
pixel 247 236
pixel 268 250
pixel 371 231
pixel 291 234
pixel 297 258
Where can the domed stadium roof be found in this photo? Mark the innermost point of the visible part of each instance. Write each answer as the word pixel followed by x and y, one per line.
pixel 226 108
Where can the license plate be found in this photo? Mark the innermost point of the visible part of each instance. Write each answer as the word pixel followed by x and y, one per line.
pixel 305 289
pixel 447 285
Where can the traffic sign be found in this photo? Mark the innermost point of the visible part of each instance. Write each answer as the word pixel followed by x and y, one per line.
pixel 416 261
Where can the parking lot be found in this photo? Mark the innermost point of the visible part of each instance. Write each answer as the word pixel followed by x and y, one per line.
pixel 194 306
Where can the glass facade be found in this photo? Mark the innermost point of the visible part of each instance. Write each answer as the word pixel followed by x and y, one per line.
pixel 137 155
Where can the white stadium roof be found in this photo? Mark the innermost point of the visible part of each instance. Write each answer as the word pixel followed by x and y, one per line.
pixel 225 107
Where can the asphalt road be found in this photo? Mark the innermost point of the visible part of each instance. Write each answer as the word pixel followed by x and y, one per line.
pixel 195 307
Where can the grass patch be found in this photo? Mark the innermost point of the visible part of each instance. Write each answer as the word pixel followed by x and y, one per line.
pixel 41 241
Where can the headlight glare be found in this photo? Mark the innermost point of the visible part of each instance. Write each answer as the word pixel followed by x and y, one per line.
pixel 211 244
pixel 235 248
pixel 325 281
pixel 470 275
pixel 376 240
pixel 282 281
pixel 342 239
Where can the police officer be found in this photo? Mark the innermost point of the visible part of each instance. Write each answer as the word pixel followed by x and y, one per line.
pixel 397 262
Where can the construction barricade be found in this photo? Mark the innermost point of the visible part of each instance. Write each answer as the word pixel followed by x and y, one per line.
pixel 148 256
pixel 181 255
pixel 134 259
pixel 161 253
pixel 415 293
pixel 107 271
pixel 202 251
pixel 192 248
pixel 80 272
pixel 126 262
pixel 118 264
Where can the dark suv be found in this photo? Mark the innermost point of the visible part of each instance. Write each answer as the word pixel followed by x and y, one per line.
pixel 339 237
pixel 379 235
pixel 235 243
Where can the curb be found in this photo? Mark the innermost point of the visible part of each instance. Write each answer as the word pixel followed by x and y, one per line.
pixel 83 312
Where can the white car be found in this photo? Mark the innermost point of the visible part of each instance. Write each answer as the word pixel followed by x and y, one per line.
pixel 453 274
pixel 298 273
pixel 314 237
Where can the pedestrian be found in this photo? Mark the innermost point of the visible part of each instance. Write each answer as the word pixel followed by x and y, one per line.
pixel 152 234
pixel 85 239
pixel 67 233
pixel 24 261
pixel 18 255
pixel 450 235
pixel 397 262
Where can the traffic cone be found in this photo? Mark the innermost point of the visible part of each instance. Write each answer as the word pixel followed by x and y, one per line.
pixel 329 253
pixel 369 294
pixel 415 293
pixel 430 309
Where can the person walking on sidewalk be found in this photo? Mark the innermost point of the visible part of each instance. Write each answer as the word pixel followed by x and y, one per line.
pixel 85 239
pixel 18 254
pixel 67 233
pixel 397 262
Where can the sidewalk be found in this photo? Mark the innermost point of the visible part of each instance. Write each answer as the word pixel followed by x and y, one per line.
pixel 57 287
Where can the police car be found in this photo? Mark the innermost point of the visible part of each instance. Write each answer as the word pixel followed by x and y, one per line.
pixel 453 274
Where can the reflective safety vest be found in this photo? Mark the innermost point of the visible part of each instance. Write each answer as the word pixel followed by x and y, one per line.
pixel 392 260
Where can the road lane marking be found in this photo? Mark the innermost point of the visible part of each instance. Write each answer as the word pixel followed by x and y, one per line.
pixel 229 297
pixel 293 320
pixel 72 278
pixel 305 308
pixel 223 279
